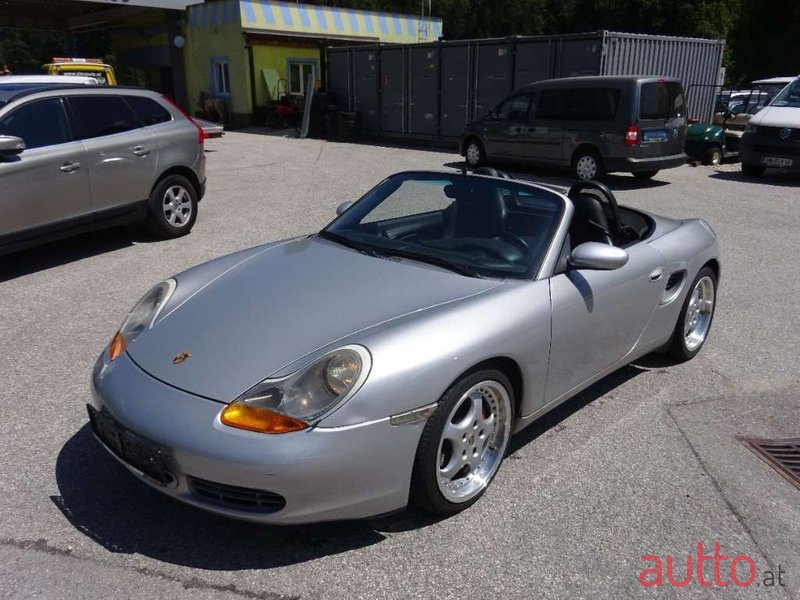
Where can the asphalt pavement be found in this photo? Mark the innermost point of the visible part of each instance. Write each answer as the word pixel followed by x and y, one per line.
pixel 644 463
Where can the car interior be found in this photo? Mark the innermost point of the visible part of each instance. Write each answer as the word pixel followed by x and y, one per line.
pixel 509 228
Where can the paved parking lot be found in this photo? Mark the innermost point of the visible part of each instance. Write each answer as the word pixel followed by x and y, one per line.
pixel 643 463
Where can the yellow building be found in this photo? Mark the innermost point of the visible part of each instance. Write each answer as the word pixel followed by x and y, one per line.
pixel 248 53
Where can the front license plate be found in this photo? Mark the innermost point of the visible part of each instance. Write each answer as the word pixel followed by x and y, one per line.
pixel 141 454
pixel 772 161
pixel 655 135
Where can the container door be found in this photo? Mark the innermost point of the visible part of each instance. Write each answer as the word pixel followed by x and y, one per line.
pixel 662 119
pixel 365 92
pixel 455 90
pixel 492 75
pixel 392 91
pixel 423 82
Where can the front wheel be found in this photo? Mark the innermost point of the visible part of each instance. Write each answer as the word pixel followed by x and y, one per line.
pixel 694 321
pixel 713 156
pixel 463 443
pixel 172 208
pixel 474 153
pixel 645 174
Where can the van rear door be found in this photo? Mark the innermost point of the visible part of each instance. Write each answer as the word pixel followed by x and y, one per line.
pixel 662 119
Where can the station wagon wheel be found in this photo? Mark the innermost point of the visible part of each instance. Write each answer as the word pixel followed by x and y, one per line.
pixel 587 165
pixel 172 209
pixel 463 443
pixel 474 153
pixel 697 313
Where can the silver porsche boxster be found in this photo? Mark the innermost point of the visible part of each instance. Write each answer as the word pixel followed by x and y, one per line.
pixel 389 358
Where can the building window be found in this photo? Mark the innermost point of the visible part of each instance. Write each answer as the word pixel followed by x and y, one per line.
pixel 220 77
pixel 299 70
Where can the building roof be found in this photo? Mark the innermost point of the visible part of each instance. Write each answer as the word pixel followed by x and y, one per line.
pixel 290 18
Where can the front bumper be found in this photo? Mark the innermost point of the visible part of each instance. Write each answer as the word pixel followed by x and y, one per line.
pixel 755 148
pixel 634 165
pixel 322 473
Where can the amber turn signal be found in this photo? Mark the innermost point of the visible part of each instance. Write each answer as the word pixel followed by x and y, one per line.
pixel 262 420
pixel 117 346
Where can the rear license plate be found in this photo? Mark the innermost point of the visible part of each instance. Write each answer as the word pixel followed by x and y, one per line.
pixel 143 455
pixel 772 161
pixel 655 135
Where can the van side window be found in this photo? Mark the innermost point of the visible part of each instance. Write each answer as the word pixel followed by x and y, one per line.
pixel 550 104
pixel 39 123
pixel 514 108
pixel 590 104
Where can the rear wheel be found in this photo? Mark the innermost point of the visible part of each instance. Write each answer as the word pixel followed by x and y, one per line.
pixel 713 156
pixel 753 170
pixel 645 174
pixel 474 153
pixel 172 208
pixel 694 321
pixel 587 165
pixel 463 443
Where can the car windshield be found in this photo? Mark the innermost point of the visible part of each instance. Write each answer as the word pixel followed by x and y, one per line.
pixel 476 226
pixel 790 96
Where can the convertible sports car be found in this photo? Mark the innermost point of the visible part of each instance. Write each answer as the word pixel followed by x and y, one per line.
pixel 389 357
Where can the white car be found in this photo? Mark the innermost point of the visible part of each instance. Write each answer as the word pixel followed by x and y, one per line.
pixel 54 79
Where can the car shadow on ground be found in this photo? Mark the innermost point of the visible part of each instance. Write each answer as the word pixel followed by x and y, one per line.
pixel 616 181
pixel 101 499
pixel 776 178
pixel 60 252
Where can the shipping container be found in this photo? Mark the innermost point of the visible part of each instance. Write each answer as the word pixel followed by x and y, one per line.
pixel 429 91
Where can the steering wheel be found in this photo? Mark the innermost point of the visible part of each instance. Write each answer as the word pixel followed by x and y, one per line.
pixel 516 240
pixel 602 193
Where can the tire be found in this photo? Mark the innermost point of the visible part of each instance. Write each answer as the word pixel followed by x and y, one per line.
pixel 178 218
pixel 474 153
pixel 442 439
pixel 686 342
pixel 752 170
pixel 713 156
pixel 587 165
pixel 645 174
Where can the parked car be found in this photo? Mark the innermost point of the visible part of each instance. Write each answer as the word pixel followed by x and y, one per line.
pixel 74 158
pixel 772 136
pixel 457 309
pixel 593 125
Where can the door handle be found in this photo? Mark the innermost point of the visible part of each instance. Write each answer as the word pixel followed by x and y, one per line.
pixel 657 273
pixel 70 167
pixel 140 151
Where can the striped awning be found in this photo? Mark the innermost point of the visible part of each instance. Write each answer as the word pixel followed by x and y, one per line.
pixel 328 21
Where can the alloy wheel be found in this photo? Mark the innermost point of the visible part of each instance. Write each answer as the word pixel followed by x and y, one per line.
pixel 474 441
pixel 177 206
pixel 699 313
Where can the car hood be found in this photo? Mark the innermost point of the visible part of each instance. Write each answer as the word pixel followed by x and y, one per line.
pixel 280 304
pixel 777 116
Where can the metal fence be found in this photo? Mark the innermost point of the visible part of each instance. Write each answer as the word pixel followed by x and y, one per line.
pixel 429 91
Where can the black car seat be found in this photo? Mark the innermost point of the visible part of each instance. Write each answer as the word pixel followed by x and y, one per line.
pixel 476 213
pixel 589 223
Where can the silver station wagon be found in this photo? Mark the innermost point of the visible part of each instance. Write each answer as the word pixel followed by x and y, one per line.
pixel 74 158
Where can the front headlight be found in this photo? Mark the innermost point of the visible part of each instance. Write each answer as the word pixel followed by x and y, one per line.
pixel 300 400
pixel 141 318
pixel 750 128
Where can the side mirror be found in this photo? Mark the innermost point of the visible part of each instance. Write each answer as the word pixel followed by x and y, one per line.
pixel 594 255
pixel 10 145
pixel 343 207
